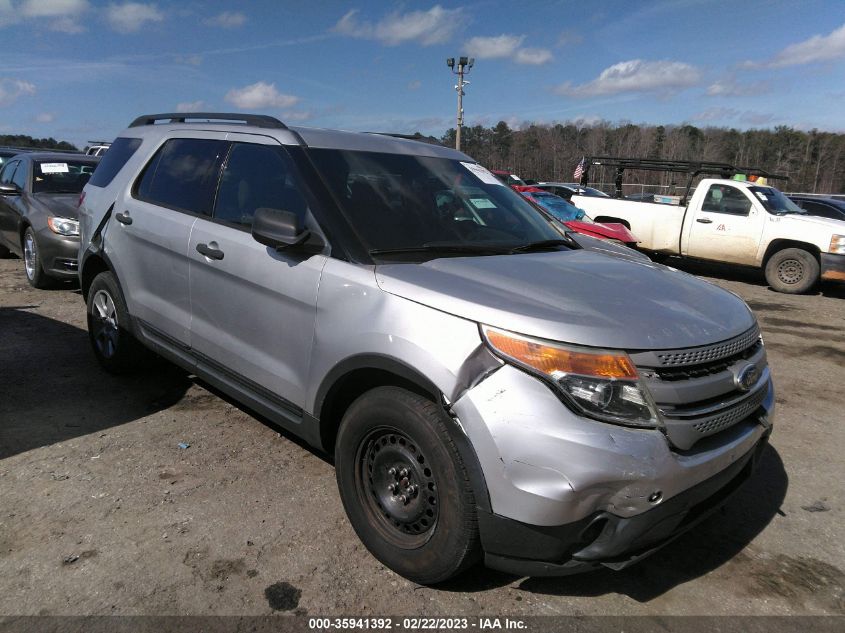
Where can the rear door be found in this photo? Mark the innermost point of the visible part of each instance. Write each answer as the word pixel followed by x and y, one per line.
pixel 148 235
pixel 253 308
pixel 726 226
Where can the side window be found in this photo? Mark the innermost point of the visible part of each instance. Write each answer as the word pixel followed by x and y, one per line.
pixel 726 199
pixel 256 176
pixel 20 175
pixel 113 160
pixel 819 209
pixel 8 172
pixel 183 174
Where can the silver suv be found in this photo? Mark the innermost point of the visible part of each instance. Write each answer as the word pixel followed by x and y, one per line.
pixel 490 387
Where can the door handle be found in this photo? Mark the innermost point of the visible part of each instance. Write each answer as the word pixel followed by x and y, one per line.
pixel 123 218
pixel 704 220
pixel 208 251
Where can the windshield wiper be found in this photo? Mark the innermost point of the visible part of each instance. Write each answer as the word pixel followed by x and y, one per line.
pixel 541 245
pixel 442 248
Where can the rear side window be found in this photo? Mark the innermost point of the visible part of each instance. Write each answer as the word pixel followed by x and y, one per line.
pixel 20 175
pixel 183 174
pixel 114 160
pixel 8 172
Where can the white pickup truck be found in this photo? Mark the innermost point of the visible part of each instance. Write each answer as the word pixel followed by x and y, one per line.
pixel 735 222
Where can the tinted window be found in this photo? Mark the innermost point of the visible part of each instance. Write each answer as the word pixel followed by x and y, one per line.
pixel 183 174
pixel 726 199
pixel 821 209
pixel 20 175
pixel 114 160
pixel 256 176
pixel 61 176
pixel 8 172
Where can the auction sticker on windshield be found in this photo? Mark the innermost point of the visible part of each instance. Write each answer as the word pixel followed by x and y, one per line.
pixel 484 175
pixel 482 203
pixel 54 168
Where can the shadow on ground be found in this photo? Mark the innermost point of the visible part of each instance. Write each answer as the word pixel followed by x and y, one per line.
pixel 54 390
pixel 705 548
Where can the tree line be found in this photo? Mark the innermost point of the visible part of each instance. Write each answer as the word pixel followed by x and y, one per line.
pixel 23 140
pixel 814 161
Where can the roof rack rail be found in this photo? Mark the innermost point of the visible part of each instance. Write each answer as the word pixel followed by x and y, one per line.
pixel 416 136
pixel 257 120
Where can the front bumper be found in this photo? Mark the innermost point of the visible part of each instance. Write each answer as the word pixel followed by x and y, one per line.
pixel 560 484
pixel 832 267
pixel 58 253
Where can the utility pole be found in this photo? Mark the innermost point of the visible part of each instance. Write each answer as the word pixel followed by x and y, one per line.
pixel 464 66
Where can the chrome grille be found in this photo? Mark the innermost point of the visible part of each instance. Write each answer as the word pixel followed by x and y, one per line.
pixel 716 423
pixel 709 353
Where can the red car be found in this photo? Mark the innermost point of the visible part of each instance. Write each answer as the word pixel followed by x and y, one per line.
pixel 575 218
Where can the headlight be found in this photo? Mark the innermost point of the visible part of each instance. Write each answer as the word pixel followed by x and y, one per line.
pixel 837 245
pixel 601 384
pixel 63 226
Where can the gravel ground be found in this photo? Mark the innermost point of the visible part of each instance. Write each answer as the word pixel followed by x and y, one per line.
pixel 102 512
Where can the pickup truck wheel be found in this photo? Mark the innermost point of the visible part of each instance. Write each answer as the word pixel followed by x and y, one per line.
pixel 404 486
pixel 792 270
pixel 117 351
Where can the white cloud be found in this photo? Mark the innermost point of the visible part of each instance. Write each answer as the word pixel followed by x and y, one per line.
pixel 66 24
pixel 226 20
pixel 718 113
pixel 533 56
pixel 259 96
pixel 191 106
pixel 45 117
pixel 819 48
pixel 190 60
pixel 636 75
pixel 493 47
pixel 13 89
pixel 7 13
pixel 414 85
pixel 297 115
pixel 52 8
pixel 569 37
pixel 730 87
pixel 507 45
pixel 131 16
pixel 435 26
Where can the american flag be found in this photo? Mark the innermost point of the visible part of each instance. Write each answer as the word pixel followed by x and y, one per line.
pixel 579 170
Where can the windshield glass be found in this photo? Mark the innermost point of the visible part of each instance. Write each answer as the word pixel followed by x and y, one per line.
pixel 396 201
pixel 558 207
pixel 61 176
pixel 774 201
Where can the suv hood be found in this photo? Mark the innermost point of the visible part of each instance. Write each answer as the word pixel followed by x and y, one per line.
pixel 579 296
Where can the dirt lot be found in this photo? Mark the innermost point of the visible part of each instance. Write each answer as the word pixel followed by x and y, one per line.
pixel 102 512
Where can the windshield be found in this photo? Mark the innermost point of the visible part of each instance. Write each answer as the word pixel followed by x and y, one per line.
pixel 403 202
pixel 774 201
pixel 558 207
pixel 61 176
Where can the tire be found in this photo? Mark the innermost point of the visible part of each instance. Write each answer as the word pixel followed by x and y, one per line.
pixel 792 271
pixel 393 437
pixel 117 351
pixel 33 268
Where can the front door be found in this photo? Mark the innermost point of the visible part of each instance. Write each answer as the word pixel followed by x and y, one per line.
pixel 253 308
pixel 727 226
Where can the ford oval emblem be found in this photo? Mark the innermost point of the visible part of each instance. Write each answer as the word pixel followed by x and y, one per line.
pixel 746 377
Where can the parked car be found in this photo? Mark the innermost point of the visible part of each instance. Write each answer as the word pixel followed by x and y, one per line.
pixel 7 152
pixel 568 189
pixel 96 148
pixel 39 192
pixel 577 219
pixel 508 178
pixel 821 206
pixel 490 390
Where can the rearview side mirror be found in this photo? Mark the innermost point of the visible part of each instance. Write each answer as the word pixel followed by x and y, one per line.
pixel 9 190
pixel 278 229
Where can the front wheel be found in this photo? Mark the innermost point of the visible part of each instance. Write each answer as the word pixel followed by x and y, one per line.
pixel 792 271
pixel 404 486
pixel 35 274
pixel 116 349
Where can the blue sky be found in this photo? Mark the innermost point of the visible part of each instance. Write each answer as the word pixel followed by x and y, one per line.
pixel 82 69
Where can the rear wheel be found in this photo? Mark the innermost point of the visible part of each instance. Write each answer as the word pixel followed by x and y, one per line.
pixel 405 487
pixel 792 270
pixel 108 328
pixel 35 274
